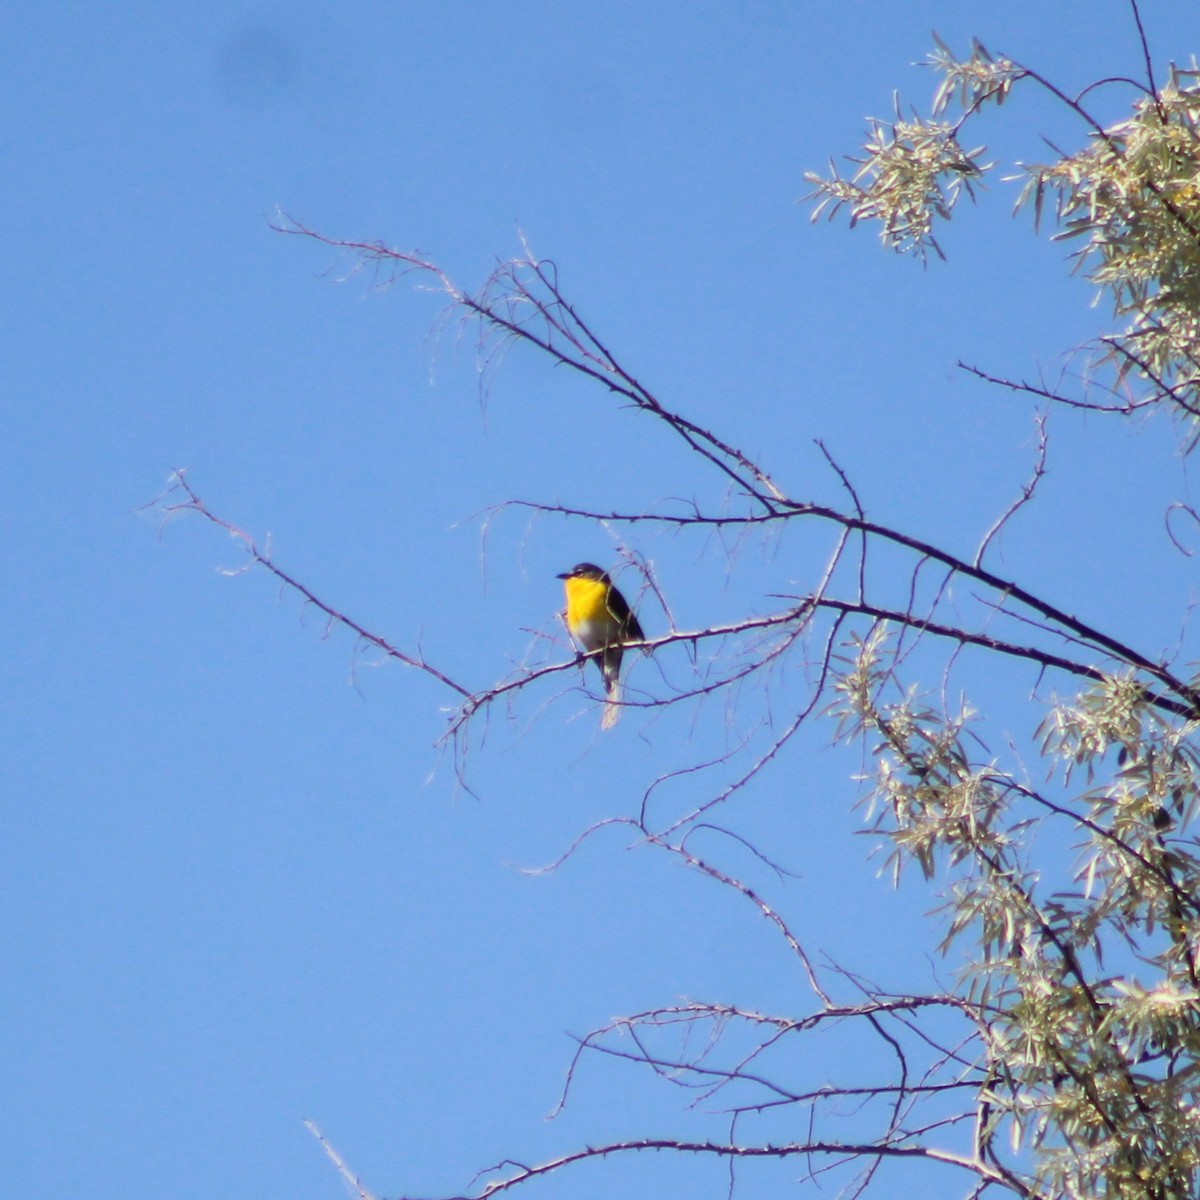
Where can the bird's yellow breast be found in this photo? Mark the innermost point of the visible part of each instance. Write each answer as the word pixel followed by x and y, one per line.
pixel 588 615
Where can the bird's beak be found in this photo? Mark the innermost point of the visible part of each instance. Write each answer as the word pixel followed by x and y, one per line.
pixel 564 575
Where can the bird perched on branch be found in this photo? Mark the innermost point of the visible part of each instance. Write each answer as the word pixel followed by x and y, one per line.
pixel 599 619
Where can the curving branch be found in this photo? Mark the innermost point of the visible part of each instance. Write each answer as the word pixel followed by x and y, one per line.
pixel 521 1173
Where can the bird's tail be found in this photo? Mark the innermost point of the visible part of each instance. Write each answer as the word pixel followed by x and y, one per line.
pixel 612 705
pixel 610 668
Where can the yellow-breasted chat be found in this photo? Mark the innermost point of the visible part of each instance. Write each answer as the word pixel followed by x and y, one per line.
pixel 600 620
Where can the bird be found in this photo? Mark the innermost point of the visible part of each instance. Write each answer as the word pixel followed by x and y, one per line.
pixel 599 619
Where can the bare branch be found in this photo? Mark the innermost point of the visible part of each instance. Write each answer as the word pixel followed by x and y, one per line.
pixel 521 1173
pixel 1039 469
pixel 262 558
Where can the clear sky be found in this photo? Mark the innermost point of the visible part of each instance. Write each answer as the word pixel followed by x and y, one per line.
pixel 239 885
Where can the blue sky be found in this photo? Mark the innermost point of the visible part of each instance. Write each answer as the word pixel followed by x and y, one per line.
pixel 240 886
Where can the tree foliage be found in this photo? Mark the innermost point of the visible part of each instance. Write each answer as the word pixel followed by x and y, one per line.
pixel 1129 198
pixel 1065 1061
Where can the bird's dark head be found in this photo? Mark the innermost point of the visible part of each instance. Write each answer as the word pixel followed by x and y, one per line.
pixel 586 570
